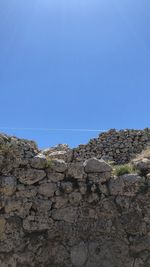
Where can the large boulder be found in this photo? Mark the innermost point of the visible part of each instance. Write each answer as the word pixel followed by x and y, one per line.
pixel 94 165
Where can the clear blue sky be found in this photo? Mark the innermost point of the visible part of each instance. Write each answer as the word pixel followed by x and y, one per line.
pixel 74 64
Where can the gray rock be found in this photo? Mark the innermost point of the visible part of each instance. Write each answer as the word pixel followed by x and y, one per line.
pixel 94 165
pixel 76 170
pixel 143 165
pixel 65 214
pixel 2 226
pixel 8 185
pixel 13 205
pixel 125 185
pixel 79 254
pixel 39 162
pixel 60 202
pixel 75 198
pixel 30 176
pixel 47 189
pixel 59 165
pixel 98 178
pixel 37 223
pixel 55 177
pixel 67 187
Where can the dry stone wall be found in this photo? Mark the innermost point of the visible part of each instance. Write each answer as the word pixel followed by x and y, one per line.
pixel 118 146
pixel 55 213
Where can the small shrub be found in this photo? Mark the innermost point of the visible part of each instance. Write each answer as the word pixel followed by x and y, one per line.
pixel 119 170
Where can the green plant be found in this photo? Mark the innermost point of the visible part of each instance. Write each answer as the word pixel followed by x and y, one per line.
pixel 119 170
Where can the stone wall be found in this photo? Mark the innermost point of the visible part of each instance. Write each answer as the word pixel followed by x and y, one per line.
pixel 69 214
pixel 118 146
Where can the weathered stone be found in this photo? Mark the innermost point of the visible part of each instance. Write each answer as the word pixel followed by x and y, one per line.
pixel 98 178
pixel 30 176
pixel 82 188
pixel 55 177
pixel 8 185
pixel 13 205
pixel 126 185
pixel 94 165
pixel 138 263
pixel 143 165
pixel 58 155
pixel 93 198
pixel 41 207
pixel 59 218
pixel 60 202
pixel 2 226
pixel 37 223
pixel 39 162
pixel 47 189
pixel 67 187
pixel 58 165
pixel 65 214
pixel 26 191
pixel 75 198
pixel 79 255
pixel 76 170
pixel 110 254
pixel 62 152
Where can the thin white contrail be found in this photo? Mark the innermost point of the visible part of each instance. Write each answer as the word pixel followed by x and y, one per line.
pixel 52 129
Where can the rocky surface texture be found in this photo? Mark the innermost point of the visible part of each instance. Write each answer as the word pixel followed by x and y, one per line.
pixel 118 146
pixel 65 213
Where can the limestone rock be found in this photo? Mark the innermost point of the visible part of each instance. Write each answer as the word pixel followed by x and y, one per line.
pixel 94 165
